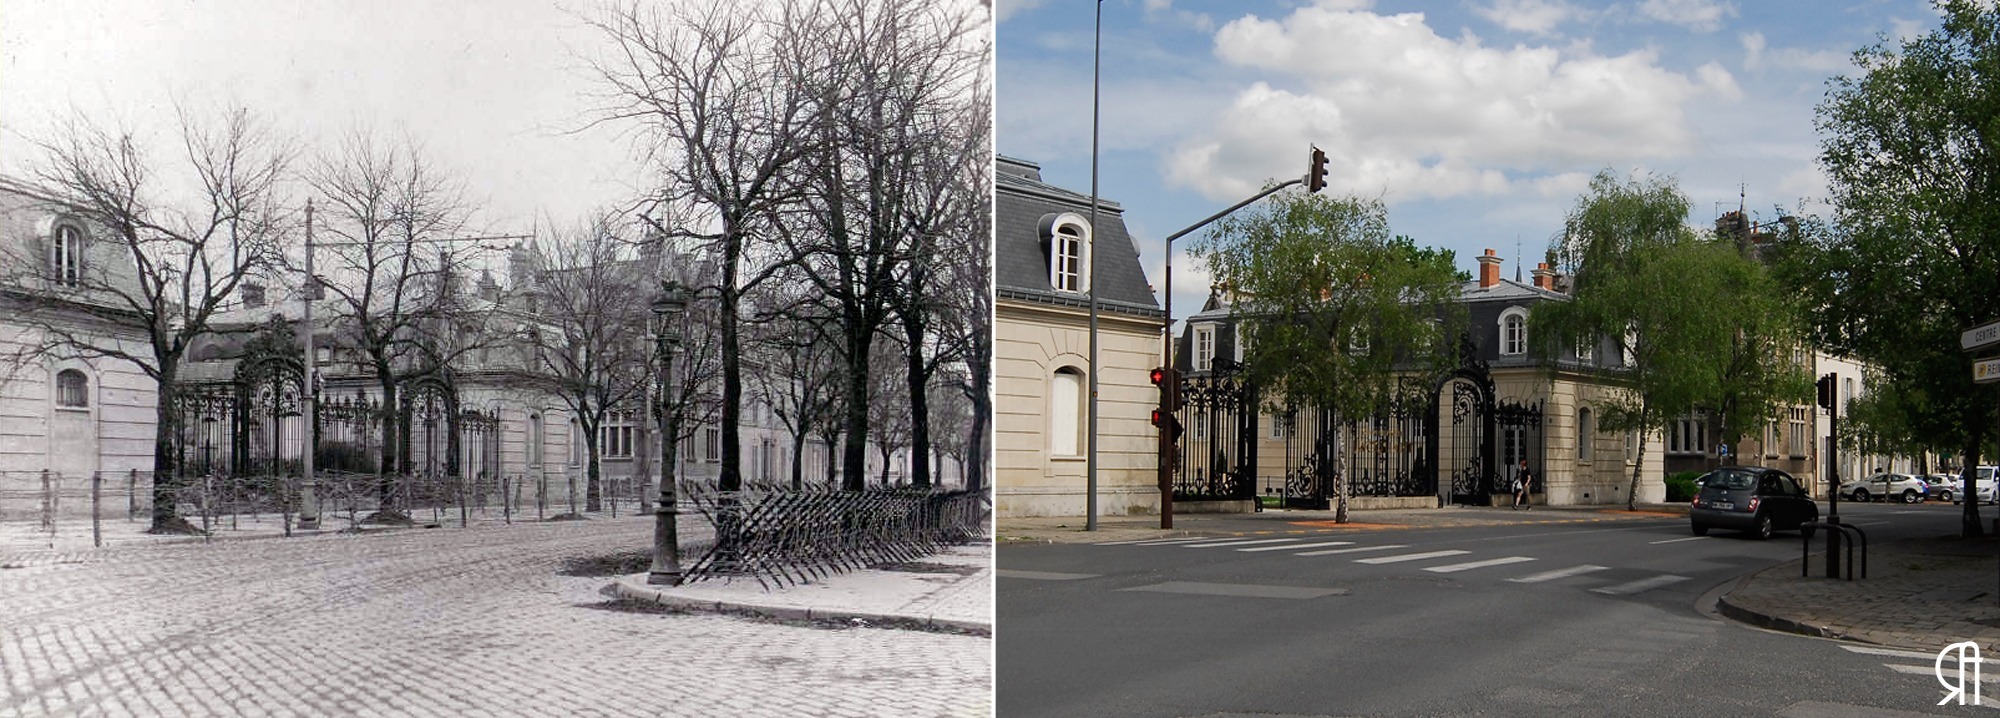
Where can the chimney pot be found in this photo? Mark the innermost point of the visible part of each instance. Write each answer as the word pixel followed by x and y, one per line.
pixel 1489 269
pixel 1545 278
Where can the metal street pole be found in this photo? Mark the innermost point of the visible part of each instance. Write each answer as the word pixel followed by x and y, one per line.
pixel 1090 454
pixel 308 488
pixel 666 569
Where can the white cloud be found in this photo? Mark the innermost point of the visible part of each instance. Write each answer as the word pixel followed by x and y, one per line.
pixel 1403 111
pixel 1906 30
pixel 1698 15
pixel 1756 56
pixel 1003 9
pixel 1538 17
pixel 1164 9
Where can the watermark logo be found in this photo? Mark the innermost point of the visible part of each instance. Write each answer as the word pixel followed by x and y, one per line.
pixel 1968 656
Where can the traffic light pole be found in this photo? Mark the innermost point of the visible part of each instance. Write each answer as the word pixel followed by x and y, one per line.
pixel 1167 453
pixel 1829 399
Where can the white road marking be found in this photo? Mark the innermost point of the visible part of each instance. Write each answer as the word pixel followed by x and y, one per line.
pixel 1559 573
pixel 1640 586
pixel 1238 543
pixel 1411 556
pixel 1930 670
pixel 1678 540
pixel 1356 549
pixel 1456 567
pixel 1170 542
pixel 1298 546
pixel 1873 651
pixel 1043 575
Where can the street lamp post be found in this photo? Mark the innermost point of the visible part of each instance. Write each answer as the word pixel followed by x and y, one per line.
pixel 666 570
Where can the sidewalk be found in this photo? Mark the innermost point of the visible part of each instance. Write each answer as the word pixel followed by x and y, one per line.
pixel 1070 529
pixel 951 590
pixel 1921 594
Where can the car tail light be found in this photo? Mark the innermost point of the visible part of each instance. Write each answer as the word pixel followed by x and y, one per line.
pixel 1753 502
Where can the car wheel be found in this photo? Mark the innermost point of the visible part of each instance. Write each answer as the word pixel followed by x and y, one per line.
pixel 1945 496
pixel 1909 496
pixel 1764 527
pixel 1860 494
pixel 1700 530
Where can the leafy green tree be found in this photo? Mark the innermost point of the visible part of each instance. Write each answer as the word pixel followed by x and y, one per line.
pixel 1333 308
pixel 1702 326
pixel 1911 150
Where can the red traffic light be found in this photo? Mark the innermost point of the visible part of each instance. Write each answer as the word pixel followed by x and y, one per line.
pixel 1158 376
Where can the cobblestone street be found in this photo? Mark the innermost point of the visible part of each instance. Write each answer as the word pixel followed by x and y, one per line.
pixel 433 622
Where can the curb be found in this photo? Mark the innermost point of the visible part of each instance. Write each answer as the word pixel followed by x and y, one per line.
pixel 621 589
pixel 1771 621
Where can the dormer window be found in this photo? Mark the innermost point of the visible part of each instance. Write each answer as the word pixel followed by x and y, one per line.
pixel 66 254
pixel 1067 237
pixel 1514 331
pixel 1204 346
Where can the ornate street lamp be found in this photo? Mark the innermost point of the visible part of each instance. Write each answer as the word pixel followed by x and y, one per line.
pixel 666 535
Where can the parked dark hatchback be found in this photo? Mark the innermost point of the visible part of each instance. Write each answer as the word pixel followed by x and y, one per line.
pixel 1753 499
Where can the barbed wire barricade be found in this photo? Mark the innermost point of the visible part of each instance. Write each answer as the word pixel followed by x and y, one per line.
pixel 784 537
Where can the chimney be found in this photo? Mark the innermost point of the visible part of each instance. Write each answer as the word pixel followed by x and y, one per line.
pixel 1545 278
pixel 1489 269
pixel 489 290
pixel 253 295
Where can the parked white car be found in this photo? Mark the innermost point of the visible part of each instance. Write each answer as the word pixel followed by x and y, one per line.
pixel 1983 485
pixel 1901 487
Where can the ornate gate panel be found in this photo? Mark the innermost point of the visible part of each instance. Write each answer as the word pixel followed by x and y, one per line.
pixel 1217 456
pixel 1386 455
pixel 1519 429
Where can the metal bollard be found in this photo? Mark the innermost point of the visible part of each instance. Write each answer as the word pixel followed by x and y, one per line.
pixel 96 500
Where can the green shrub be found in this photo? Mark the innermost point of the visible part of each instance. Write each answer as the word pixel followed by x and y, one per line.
pixel 1680 485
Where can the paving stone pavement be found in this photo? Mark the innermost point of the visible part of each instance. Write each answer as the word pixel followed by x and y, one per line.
pixel 1920 594
pixel 424 622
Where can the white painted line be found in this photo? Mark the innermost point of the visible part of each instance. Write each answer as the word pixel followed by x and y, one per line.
pixel 1456 567
pixel 1678 540
pixel 1043 575
pixel 1238 543
pixel 1932 671
pixel 1170 542
pixel 1411 556
pixel 1559 573
pixel 1873 651
pixel 1863 523
pixel 1640 586
pixel 1298 546
pixel 1356 549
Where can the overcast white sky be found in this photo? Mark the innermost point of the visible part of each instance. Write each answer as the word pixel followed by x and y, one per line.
pixel 1478 121
pixel 488 88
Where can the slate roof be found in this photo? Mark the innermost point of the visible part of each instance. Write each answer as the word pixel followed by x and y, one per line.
pixel 1021 260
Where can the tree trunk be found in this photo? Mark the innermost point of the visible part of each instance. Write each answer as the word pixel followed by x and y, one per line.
pixel 166 475
pixel 391 438
pixel 1632 494
pixel 593 493
pixel 832 467
pixel 731 478
pixel 798 453
pixel 854 457
pixel 920 423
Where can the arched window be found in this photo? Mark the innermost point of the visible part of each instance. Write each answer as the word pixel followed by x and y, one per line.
pixel 1585 431
pixel 1066 412
pixel 72 389
pixel 1067 237
pixel 1514 331
pixel 66 254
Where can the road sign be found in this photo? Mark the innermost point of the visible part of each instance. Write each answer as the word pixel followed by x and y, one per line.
pixel 1980 336
pixel 1985 370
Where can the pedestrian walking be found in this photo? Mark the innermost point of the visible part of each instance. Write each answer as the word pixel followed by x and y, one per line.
pixel 1522 481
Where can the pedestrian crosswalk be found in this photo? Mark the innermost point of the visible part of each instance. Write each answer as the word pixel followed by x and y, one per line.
pixel 1608 580
pixel 1937 670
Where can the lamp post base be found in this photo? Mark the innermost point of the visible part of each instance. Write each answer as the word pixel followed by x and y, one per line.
pixel 308 506
pixel 664 579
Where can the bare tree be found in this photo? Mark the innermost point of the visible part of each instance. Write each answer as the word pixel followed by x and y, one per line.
pixel 799 359
pixel 902 86
pixel 390 282
pixel 727 120
pixel 891 420
pixel 178 246
pixel 593 348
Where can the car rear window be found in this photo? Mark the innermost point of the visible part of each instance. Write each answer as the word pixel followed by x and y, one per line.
pixel 1730 480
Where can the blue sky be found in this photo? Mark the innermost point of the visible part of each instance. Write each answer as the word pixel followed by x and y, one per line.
pixel 1479 122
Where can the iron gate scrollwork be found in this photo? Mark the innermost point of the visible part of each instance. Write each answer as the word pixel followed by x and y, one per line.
pixel 1216 457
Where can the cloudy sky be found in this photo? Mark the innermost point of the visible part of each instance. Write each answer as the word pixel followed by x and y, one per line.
pixel 491 90
pixel 1479 122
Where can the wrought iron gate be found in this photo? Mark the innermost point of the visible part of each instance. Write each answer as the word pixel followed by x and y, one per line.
pixel 1217 456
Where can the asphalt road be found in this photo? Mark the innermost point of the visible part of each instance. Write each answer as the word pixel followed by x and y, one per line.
pixel 1527 619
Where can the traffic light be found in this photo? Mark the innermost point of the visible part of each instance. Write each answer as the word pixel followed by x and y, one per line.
pixel 1827 395
pixel 1168 424
pixel 1316 176
pixel 1168 382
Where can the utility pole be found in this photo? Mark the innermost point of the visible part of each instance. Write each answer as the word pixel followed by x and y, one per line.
pixel 1090 248
pixel 1829 399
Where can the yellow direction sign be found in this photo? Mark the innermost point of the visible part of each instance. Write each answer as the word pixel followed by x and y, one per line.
pixel 1985 370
